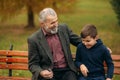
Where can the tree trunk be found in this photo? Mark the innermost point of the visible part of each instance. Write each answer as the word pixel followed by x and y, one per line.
pixel 54 4
pixel 30 17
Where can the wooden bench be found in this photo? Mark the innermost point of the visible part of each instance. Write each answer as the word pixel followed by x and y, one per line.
pixel 13 60
pixel 18 60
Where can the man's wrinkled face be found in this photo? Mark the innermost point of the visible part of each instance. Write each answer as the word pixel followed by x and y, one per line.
pixel 51 24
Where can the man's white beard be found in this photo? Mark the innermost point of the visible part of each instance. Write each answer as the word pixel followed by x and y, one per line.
pixel 52 31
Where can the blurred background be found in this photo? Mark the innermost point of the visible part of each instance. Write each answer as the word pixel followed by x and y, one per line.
pixel 19 19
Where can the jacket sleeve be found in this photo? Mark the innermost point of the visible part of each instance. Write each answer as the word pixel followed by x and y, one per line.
pixel 74 38
pixel 110 65
pixel 78 57
pixel 33 59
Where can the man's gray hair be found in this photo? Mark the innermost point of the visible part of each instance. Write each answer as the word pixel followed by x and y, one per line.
pixel 45 12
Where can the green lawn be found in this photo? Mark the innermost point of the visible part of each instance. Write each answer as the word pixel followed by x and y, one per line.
pixel 97 12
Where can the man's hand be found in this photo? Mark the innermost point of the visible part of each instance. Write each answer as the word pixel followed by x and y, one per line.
pixel 46 74
pixel 109 49
pixel 84 70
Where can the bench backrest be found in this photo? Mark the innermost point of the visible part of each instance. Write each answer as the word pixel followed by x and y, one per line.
pixel 18 60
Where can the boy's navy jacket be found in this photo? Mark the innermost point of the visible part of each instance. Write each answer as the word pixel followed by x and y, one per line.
pixel 93 59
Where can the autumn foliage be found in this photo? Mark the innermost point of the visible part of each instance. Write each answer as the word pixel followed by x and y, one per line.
pixel 9 8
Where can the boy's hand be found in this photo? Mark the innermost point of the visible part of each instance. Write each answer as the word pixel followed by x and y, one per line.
pixel 84 70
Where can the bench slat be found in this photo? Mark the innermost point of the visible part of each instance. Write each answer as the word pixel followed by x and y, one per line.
pixel 13 60
pixel 117 64
pixel 13 53
pixel 19 57
pixel 117 71
pixel 14 66
pixel 13 78
pixel 116 57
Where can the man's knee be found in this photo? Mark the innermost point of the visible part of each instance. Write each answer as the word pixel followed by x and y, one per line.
pixel 70 75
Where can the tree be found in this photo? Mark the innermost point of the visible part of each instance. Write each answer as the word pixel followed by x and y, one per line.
pixel 116 8
pixel 9 8
pixel 12 7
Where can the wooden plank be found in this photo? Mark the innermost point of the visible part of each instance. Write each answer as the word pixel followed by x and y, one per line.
pixel 116 57
pixel 14 60
pixel 116 60
pixel 3 52
pixel 13 53
pixel 116 64
pixel 117 71
pixel 13 78
pixel 14 66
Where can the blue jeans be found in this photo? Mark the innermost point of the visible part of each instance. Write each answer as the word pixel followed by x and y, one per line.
pixel 92 78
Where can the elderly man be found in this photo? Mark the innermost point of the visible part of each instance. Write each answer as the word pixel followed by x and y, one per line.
pixel 49 49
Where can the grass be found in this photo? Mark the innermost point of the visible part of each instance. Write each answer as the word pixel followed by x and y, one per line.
pixel 100 14
pixel 97 12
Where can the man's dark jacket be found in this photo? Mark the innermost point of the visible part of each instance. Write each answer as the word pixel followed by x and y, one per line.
pixel 39 54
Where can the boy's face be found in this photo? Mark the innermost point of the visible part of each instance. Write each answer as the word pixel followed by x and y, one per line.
pixel 89 41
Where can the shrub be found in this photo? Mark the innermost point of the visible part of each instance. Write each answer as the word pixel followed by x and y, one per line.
pixel 116 8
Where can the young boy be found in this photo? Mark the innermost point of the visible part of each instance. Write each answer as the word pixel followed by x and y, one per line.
pixel 91 54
